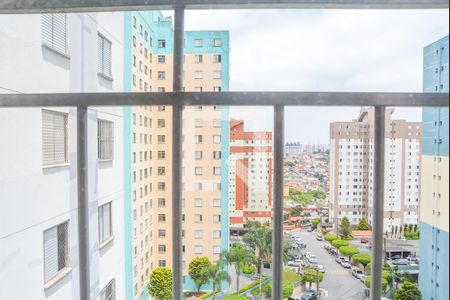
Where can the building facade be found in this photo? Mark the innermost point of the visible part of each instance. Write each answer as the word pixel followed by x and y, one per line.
pixel 434 209
pixel 149 68
pixel 351 170
pixel 250 175
pixel 59 53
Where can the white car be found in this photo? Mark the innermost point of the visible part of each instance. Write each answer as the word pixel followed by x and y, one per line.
pixel 312 261
pixel 320 268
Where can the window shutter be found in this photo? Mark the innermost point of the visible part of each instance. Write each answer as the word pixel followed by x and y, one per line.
pixel 107 57
pixel 100 54
pixel 60 32
pixel 54 137
pixel 50 253
pixel 47 138
pixel 107 220
pixel 47 30
pixel 63 247
pixel 60 138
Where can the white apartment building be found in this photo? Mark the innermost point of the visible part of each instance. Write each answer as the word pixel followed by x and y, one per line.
pixel 59 53
pixel 351 170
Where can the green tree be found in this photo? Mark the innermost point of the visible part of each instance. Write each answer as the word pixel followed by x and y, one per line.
pixel 310 276
pixel 160 285
pixel 339 243
pixel 345 227
pixel 384 283
pixel 238 256
pixel 331 237
pixel 363 259
pixel 287 289
pixel 315 222
pixel 349 251
pixel 318 194
pixel 297 211
pixel 260 240
pixel 198 271
pixel 217 275
pixel 408 291
pixel 363 224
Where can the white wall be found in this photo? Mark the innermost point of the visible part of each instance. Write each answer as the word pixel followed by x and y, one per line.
pixel 33 198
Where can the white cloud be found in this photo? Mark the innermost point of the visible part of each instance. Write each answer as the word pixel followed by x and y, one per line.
pixel 326 50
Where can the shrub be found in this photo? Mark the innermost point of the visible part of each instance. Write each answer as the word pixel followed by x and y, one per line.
pixel 207 295
pixel 235 297
pixel 160 285
pixel 349 238
pixel 248 269
pixel 330 237
pixel 348 251
pixel 339 243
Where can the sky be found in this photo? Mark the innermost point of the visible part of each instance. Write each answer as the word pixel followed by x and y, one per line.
pixel 323 50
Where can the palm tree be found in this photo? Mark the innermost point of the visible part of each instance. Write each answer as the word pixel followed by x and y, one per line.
pixel 238 256
pixel 217 275
pixel 260 240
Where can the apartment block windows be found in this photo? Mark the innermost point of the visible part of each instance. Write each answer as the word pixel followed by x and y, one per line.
pixel 198 155
pixel 161 171
pixel 198 43
pixel 161 75
pixel 105 139
pixel 217 139
pixel 161 59
pixel 198 75
pixel 56 251
pixel 217 154
pixel 216 218
pixel 217 58
pixel 161 249
pixel 198 139
pixel 54 137
pixel 161 123
pixel 198 203
pixel 217 75
pixel 198 234
pixel 161 202
pixel 216 171
pixel 217 89
pixel 161 43
pixel 198 59
pixel 217 42
pixel 198 123
pixel 161 218
pixel 109 291
pixel 54 32
pixel 216 202
pixel 161 139
pixel 198 171
pixel 198 218
pixel 217 123
pixel 104 56
pixel 161 155
pixel 105 222
pixel 216 234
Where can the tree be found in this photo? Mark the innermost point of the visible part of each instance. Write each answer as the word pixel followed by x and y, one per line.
pixel 160 285
pixel 260 240
pixel 345 227
pixel 408 291
pixel 339 243
pixel 363 225
pixel 331 237
pixel 310 276
pixel 384 283
pixel 315 222
pixel 363 259
pixel 198 271
pixel 217 275
pixel 396 230
pixel 238 256
pixel 287 289
pixel 349 251
pixel 297 211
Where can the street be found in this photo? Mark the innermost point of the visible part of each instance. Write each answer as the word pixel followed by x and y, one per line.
pixel 339 282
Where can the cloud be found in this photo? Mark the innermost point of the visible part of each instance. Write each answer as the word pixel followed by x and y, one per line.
pixel 324 50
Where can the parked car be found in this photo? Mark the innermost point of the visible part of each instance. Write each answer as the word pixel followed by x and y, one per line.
pixel 312 261
pixel 319 238
pixel 310 229
pixel 346 265
pixel 364 241
pixel 309 295
pixel 400 262
pixel 395 257
pixel 340 259
pixel 320 268
pixel 357 273
pixel 362 278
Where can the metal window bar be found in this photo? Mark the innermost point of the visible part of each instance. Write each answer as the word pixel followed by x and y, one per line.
pixel 177 99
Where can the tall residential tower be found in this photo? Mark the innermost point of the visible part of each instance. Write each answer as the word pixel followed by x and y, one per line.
pixel 434 208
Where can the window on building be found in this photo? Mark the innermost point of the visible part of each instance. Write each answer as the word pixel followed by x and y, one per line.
pixel 56 250
pixel 161 75
pixel 161 139
pixel 198 75
pixel 216 202
pixel 104 56
pixel 216 171
pixel 198 59
pixel 217 89
pixel 217 154
pixel 161 248
pixel 54 32
pixel 198 43
pixel 217 42
pixel 198 249
pixel 217 75
pixel 161 59
pixel 161 43
pixel 161 218
pixel 198 123
pixel 105 138
pixel 105 222
pixel 217 58
pixel 198 171
pixel 198 139
pixel 54 137
pixel 161 123
pixel 109 291
pixel 198 234
pixel 217 139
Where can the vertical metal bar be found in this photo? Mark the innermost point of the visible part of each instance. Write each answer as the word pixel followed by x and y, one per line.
pixel 378 202
pixel 278 201
pixel 83 207
pixel 177 115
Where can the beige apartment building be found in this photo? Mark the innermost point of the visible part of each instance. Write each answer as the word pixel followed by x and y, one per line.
pixel 351 170
pixel 205 231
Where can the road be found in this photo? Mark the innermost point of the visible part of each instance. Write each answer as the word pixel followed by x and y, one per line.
pixel 339 282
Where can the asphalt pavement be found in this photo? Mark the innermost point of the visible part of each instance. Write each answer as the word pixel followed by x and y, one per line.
pixel 338 282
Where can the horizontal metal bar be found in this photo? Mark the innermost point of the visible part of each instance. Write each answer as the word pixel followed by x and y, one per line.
pixel 227 98
pixel 42 6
